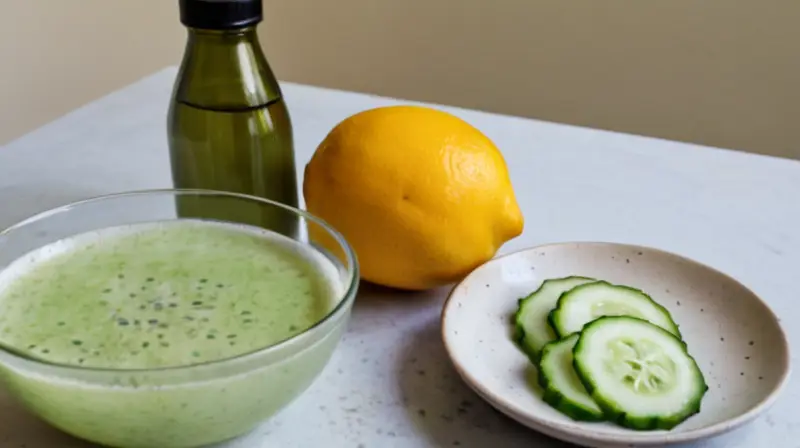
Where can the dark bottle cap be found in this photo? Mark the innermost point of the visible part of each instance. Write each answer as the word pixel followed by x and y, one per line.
pixel 220 14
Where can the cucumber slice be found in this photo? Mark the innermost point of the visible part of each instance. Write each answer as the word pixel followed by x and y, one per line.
pixel 533 330
pixel 563 389
pixel 641 375
pixel 585 303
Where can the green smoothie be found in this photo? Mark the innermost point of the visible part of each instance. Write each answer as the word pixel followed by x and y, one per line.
pixel 147 301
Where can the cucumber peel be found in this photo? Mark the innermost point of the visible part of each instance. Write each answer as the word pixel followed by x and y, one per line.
pixel 562 387
pixel 530 320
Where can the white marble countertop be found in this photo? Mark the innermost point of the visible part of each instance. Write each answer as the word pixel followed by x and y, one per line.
pixel 390 383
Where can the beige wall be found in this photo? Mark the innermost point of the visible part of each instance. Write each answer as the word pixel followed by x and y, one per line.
pixel 717 72
pixel 56 55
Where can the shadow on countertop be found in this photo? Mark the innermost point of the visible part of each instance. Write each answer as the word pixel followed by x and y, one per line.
pixel 444 408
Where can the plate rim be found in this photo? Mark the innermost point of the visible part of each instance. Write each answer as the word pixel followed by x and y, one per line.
pixel 580 430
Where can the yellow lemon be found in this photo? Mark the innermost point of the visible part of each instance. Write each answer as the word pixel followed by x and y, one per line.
pixel 421 195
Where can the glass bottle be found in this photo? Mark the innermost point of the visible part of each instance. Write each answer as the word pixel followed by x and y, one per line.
pixel 228 126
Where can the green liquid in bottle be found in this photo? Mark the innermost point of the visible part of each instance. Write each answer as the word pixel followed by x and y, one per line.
pixel 229 129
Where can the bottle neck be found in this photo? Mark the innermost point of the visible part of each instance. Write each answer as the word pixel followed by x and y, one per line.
pixel 226 70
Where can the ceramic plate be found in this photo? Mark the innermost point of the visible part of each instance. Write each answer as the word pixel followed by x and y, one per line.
pixel 734 336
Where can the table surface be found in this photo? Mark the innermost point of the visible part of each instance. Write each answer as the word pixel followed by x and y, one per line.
pixel 737 212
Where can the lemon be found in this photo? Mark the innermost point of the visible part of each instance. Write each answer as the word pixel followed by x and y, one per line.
pixel 422 196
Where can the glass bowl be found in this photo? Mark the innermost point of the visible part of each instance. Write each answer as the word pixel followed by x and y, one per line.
pixel 185 405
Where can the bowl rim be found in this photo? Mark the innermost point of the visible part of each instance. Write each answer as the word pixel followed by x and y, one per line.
pixel 584 431
pixel 344 302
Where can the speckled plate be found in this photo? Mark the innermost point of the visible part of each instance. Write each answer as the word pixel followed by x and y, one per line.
pixel 734 336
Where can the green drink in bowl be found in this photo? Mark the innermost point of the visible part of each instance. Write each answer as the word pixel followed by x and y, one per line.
pixel 122 324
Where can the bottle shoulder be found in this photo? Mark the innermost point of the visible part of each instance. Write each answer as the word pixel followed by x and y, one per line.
pixel 226 73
